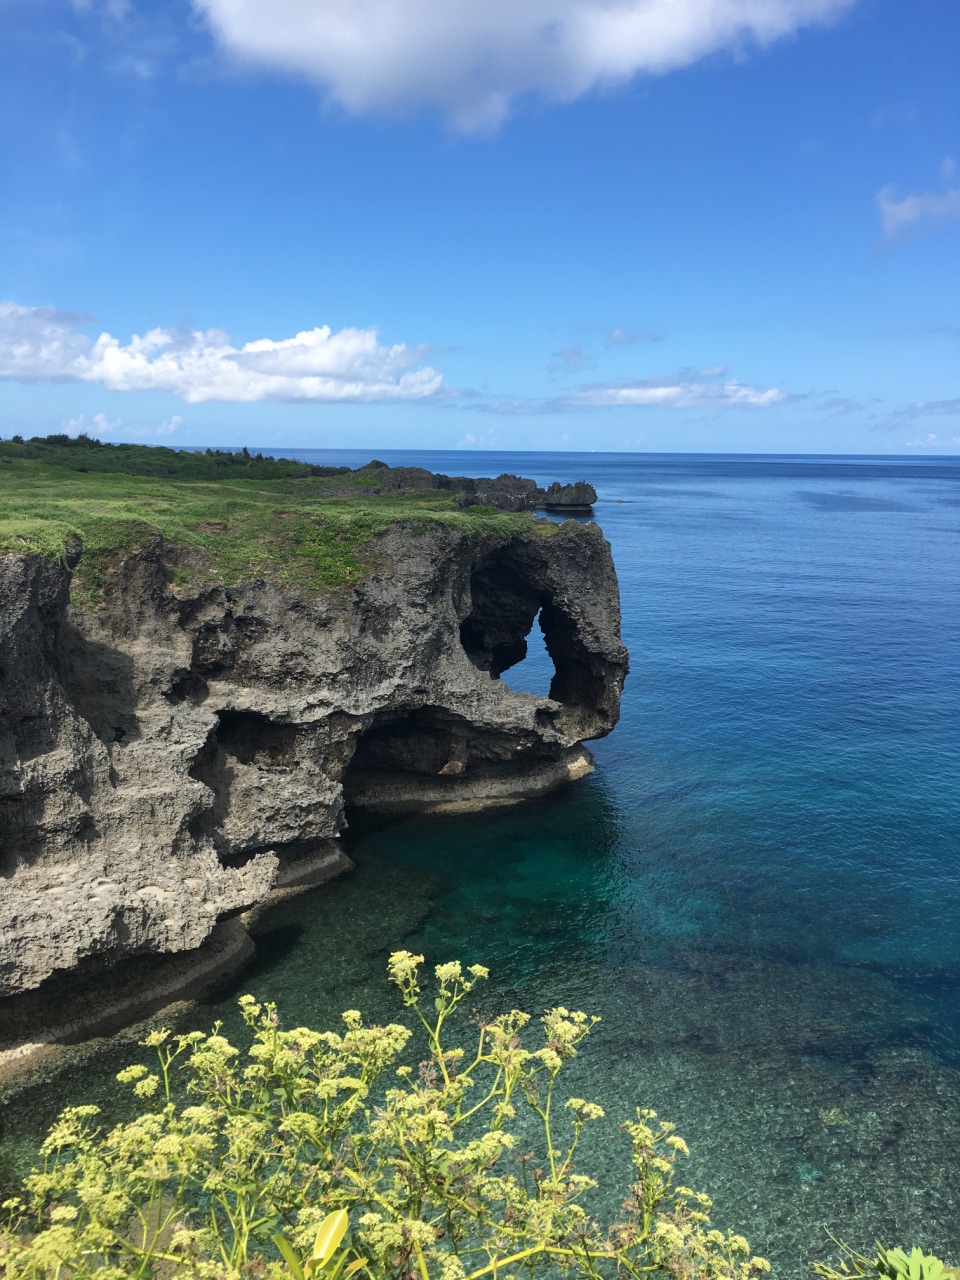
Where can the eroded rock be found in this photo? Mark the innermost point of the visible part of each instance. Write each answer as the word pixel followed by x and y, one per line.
pixel 167 756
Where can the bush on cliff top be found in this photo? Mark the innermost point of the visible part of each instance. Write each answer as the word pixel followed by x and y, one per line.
pixel 85 454
pixel 224 517
pixel 318 1157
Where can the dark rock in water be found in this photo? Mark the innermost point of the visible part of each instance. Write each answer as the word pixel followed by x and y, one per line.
pixel 170 755
pixel 504 492
pixel 567 497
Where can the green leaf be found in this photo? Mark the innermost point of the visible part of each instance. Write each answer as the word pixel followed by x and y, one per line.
pixel 332 1271
pixel 332 1230
pixel 289 1257
pixel 337 1267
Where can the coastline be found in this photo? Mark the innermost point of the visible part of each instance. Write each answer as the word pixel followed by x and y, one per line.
pixel 105 1001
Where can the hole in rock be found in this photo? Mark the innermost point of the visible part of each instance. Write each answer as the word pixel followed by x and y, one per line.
pixel 506 598
pixel 420 741
pixel 253 738
pixel 494 634
pixel 186 687
pixel 425 741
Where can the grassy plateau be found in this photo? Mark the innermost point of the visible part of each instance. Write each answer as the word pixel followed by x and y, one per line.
pixel 224 517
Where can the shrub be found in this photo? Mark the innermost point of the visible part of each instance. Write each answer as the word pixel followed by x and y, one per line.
pixel 327 1155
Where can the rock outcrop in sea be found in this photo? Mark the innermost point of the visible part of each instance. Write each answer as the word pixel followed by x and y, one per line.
pixel 170 756
pixel 505 492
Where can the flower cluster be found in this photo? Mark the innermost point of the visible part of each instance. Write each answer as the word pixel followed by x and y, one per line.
pixel 324 1155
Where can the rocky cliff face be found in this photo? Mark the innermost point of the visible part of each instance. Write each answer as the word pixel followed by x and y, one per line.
pixel 168 757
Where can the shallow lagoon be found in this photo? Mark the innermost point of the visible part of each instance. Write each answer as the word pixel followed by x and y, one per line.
pixel 759 890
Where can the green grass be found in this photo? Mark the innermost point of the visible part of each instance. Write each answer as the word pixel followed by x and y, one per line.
pixel 221 521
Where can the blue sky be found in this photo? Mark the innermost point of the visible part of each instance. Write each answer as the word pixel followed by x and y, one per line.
pixel 711 225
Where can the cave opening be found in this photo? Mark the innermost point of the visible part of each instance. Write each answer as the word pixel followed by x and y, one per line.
pixel 515 624
pixel 426 740
pixel 504 610
pixel 253 738
pixel 421 744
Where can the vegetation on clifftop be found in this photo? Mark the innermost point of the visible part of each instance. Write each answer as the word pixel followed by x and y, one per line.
pixel 224 517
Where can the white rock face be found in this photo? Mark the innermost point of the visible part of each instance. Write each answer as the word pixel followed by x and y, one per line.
pixel 164 757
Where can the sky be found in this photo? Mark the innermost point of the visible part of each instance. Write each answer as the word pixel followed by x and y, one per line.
pixel 651 225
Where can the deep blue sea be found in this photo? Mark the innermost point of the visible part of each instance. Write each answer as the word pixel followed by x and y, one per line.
pixel 759 888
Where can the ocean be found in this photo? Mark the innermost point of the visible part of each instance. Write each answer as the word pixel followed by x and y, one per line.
pixel 759 888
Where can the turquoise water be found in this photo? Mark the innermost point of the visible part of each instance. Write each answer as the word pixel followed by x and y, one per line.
pixel 759 889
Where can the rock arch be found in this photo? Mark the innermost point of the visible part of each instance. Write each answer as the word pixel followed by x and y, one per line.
pixel 510 589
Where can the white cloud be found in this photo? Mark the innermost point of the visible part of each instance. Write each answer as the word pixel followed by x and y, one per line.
pixel 99 424
pixel 898 213
pixel 471 58
pixel 43 344
pixel 934 441
pixel 36 340
pixel 707 389
pixel 485 440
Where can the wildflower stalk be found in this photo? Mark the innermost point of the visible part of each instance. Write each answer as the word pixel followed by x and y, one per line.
pixel 320 1156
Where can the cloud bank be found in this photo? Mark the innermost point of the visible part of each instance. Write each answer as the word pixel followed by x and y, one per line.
pixel 933 441
pixel 100 425
pixel 472 58
pixel 709 388
pixel 929 408
pixel 43 344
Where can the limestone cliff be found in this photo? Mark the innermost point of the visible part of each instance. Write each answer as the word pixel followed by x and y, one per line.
pixel 170 754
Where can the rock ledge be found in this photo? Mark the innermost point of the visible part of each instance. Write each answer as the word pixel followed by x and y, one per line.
pixel 168 758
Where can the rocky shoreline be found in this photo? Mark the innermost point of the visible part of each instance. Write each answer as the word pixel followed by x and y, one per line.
pixel 71 1008
pixel 172 757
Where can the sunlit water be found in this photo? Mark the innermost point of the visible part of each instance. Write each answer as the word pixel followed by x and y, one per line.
pixel 759 889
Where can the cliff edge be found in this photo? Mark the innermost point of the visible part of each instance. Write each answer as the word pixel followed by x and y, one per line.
pixel 173 748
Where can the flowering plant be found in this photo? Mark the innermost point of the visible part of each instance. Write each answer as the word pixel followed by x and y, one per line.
pixel 323 1155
